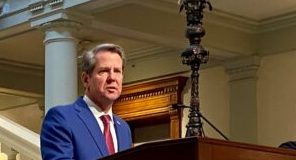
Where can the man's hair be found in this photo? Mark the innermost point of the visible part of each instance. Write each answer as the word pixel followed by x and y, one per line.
pixel 89 58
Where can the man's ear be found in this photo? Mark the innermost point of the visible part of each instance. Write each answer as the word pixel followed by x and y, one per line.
pixel 84 79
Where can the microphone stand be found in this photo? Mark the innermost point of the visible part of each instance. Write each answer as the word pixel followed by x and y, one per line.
pixel 177 106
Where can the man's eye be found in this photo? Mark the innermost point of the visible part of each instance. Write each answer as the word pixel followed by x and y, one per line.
pixel 117 71
pixel 103 71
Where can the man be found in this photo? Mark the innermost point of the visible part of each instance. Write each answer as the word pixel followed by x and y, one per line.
pixel 80 130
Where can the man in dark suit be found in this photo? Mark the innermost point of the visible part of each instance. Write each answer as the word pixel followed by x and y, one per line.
pixel 87 129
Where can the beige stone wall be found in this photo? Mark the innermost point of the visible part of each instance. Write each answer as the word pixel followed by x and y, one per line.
pixel 277 99
pixel 214 101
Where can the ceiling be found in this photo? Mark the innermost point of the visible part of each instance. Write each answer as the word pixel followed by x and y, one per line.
pixel 258 10
pixel 139 26
pixel 143 27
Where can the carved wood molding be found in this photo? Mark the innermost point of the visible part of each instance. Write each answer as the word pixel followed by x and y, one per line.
pixel 153 100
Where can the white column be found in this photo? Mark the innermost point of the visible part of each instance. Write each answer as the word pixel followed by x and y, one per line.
pixel 243 98
pixel 60 63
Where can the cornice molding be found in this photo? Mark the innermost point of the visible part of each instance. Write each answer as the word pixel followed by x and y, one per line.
pixel 36 6
pixel 129 33
pixel 243 68
pixel 54 3
pixel 277 23
pixel 227 20
pixel 16 66
pixel 217 17
pixel 236 22
pixel 40 6
pixel 248 25
pixel 148 51
pixel 58 13
pixel 158 5
pixel 20 93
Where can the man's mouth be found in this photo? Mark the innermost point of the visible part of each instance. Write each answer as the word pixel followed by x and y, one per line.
pixel 111 88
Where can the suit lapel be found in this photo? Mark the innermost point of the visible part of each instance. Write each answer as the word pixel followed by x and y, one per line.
pixel 91 124
pixel 120 138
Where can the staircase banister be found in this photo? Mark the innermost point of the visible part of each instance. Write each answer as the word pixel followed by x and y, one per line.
pixel 21 139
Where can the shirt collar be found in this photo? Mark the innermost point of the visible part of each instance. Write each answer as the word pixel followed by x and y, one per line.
pixel 96 110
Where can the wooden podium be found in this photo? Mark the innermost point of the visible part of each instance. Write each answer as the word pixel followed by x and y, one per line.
pixel 202 149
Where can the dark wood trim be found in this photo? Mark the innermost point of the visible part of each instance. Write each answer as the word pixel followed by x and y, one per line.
pixel 153 100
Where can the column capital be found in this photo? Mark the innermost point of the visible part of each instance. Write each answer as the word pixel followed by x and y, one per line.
pixel 61 24
pixel 60 30
pixel 242 68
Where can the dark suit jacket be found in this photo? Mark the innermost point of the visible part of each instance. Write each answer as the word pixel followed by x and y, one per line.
pixel 72 132
pixel 288 145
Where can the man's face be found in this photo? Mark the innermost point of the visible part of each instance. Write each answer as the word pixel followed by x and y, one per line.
pixel 104 84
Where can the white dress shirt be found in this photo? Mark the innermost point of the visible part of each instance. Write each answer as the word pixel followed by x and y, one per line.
pixel 97 112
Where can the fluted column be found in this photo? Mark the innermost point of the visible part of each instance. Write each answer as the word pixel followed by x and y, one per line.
pixel 243 98
pixel 60 63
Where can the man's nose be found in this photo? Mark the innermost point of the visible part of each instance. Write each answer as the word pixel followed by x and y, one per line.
pixel 111 76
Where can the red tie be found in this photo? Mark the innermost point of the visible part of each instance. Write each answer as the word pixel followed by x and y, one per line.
pixel 108 136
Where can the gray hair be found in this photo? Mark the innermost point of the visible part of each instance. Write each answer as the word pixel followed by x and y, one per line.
pixel 88 58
